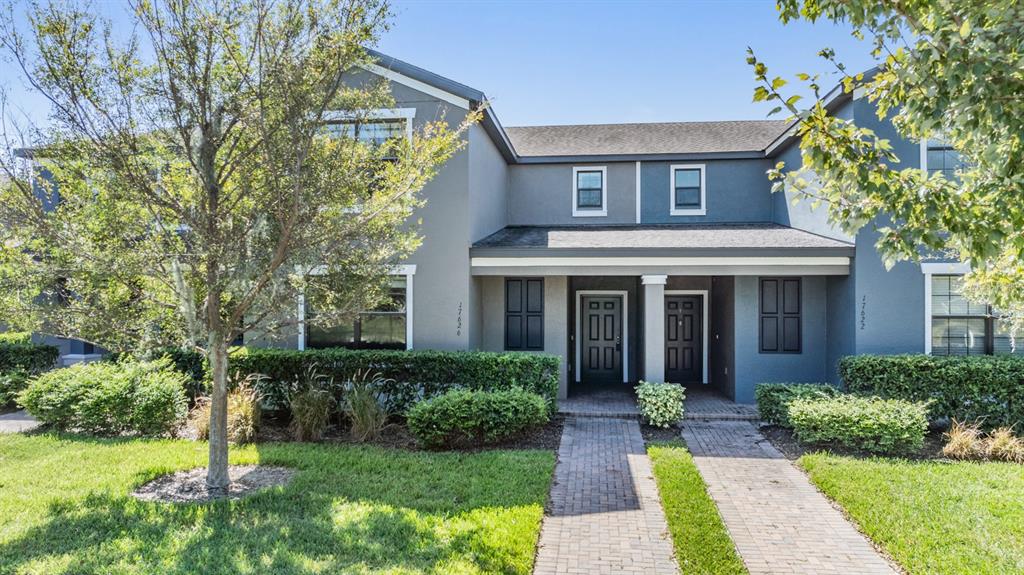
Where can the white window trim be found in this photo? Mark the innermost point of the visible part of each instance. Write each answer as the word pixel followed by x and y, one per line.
pixel 932 269
pixel 407 114
pixel 589 213
pixel 625 328
pixel 704 324
pixel 407 270
pixel 673 210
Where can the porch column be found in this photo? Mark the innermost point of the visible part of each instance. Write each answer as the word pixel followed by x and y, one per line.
pixel 654 328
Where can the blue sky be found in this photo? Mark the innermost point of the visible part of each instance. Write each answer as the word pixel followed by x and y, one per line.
pixel 607 62
pixel 572 62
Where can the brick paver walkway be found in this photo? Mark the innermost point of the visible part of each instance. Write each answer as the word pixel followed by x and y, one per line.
pixel 17 421
pixel 604 515
pixel 778 520
pixel 600 402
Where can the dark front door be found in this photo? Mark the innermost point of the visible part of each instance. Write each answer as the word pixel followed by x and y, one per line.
pixel 684 340
pixel 601 339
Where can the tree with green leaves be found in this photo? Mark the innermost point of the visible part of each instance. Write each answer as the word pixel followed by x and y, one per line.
pixel 198 168
pixel 949 70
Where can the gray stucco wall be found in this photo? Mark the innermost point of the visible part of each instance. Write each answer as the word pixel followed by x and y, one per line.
pixel 492 313
pixel 736 191
pixel 543 195
pixel 753 367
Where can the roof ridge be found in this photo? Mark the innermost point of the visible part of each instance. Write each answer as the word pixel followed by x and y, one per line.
pixel 760 121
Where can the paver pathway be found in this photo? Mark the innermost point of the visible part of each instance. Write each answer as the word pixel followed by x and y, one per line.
pixel 604 515
pixel 17 421
pixel 778 520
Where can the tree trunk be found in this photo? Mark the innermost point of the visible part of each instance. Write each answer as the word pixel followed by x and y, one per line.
pixel 217 479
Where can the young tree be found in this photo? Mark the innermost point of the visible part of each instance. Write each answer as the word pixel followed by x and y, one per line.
pixel 947 69
pixel 192 178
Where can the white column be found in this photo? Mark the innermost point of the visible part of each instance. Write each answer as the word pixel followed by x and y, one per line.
pixel 654 328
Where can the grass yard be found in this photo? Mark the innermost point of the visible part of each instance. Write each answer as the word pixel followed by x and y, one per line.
pixel 932 517
pixel 65 508
pixel 701 541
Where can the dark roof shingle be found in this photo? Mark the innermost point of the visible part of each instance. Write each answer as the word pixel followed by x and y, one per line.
pixel 684 237
pixel 645 138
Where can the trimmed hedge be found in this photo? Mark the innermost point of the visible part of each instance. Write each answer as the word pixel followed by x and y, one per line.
pixel 463 417
pixel 773 398
pixel 869 423
pixel 27 357
pixel 105 398
pixel 412 375
pixel 987 389
pixel 11 384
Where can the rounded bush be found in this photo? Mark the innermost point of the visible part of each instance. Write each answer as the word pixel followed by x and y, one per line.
pixel 11 384
pixel 867 423
pixel 104 398
pixel 661 404
pixel 773 398
pixel 465 417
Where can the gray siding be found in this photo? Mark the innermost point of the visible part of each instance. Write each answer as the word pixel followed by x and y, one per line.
pixel 543 195
pixel 736 191
pixel 753 367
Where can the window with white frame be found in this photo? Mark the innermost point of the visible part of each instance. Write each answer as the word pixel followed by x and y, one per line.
pixel 938 157
pixel 590 191
pixel 383 327
pixel 376 128
pixel 687 190
pixel 962 327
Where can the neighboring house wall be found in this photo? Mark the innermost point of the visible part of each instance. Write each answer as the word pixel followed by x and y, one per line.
pixel 542 194
pixel 735 191
pixel 753 367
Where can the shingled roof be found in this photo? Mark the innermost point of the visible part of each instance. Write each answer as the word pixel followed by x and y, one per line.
pixel 645 138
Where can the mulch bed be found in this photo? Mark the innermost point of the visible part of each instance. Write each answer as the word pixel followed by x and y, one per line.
pixel 784 441
pixel 190 486
pixel 659 434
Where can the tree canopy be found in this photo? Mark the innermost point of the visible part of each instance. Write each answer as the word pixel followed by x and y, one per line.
pixel 948 70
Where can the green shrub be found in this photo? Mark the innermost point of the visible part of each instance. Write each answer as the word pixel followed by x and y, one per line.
pixel 987 389
pixel 146 398
pixel 467 417
pixel 661 404
pixel 773 398
pixel 244 415
pixel 11 384
pixel 29 357
pixel 867 423
pixel 188 361
pixel 412 375
pixel 20 337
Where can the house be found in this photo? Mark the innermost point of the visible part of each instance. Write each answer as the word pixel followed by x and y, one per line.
pixel 647 252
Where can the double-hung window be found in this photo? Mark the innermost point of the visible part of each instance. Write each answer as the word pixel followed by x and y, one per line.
pixel 962 327
pixel 938 157
pixel 687 195
pixel 589 191
pixel 382 327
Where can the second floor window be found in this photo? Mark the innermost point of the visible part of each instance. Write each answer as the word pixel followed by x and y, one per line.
pixel 687 190
pixel 374 133
pixel 589 191
pixel 939 157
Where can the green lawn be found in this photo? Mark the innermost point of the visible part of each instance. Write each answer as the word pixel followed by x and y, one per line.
pixel 932 517
pixel 65 508
pixel 701 542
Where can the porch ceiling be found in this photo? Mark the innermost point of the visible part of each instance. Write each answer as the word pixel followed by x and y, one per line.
pixel 728 249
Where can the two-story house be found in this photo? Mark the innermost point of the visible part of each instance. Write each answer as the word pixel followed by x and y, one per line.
pixel 651 251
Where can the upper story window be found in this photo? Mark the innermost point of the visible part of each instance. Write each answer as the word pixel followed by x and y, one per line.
pixel 937 156
pixel 374 128
pixel 590 191
pixel 686 194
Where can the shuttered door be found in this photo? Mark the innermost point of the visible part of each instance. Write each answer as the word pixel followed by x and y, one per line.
pixel 780 320
pixel 524 314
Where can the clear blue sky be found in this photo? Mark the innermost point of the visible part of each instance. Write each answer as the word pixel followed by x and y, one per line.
pixel 572 62
pixel 612 61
